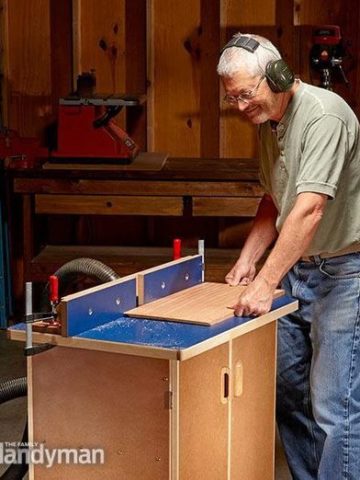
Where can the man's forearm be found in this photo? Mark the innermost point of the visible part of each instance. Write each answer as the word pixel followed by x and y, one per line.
pixel 263 232
pixel 296 235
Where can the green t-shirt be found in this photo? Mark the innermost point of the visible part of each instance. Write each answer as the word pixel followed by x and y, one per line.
pixel 315 148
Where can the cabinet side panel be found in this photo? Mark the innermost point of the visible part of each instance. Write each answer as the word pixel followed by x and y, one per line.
pixel 203 417
pixel 119 403
pixel 253 404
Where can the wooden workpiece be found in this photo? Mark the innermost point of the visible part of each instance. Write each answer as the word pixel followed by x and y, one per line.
pixel 204 304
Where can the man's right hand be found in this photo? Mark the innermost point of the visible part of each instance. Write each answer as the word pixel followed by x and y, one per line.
pixel 242 273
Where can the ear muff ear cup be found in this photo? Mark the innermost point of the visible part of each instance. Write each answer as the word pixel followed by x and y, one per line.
pixel 279 76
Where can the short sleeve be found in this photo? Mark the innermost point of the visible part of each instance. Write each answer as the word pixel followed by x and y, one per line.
pixel 324 152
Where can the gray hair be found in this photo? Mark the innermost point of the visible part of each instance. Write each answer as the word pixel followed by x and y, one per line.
pixel 234 59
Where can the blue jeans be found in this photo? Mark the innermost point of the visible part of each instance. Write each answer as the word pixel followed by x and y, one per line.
pixel 318 379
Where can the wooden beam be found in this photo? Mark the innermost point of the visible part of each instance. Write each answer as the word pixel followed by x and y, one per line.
pixel 225 206
pixel 108 205
pixel 209 80
pixel 285 31
pixel 61 48
pixel 135 67
pixel 140 187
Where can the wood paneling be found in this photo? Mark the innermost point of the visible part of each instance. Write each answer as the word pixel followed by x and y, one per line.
pixel 209 91
pixel 319 12
pixel 237 135
pixel 168 50
pixel 182 43
pixel 29 78
pixel 174 75
pixel 225 207
pixel 108 205
pixel 135 68
pixel 102 42
pixel 248 12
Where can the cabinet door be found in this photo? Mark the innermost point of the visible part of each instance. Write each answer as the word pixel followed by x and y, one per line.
pixel 92 399
pixel 203 416
pixel 253 404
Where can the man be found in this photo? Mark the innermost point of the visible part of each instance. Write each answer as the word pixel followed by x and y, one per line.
pixel 310 171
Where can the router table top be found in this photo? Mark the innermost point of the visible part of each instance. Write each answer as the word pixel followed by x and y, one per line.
pixel 94 319
pixel 161 339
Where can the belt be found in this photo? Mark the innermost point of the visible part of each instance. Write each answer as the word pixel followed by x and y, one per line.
pixel 322 256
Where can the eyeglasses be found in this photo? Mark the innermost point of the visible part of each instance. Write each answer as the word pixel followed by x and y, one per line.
pixel 244 97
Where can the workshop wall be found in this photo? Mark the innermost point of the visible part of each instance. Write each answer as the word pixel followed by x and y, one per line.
pixel 169 50
pixel 165 48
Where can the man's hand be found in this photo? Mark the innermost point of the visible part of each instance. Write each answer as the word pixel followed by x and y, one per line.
pixel 242 273
pixel 256 298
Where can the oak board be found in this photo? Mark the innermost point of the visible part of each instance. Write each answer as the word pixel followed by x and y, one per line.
pixel 205 304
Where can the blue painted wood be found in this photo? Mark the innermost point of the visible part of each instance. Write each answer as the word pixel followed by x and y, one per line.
pixel 168 335
pixel 97 308
pixel 161 334
pixel 172 279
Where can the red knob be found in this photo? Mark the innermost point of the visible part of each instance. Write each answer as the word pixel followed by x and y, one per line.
pixel 54 288
pixel 176 248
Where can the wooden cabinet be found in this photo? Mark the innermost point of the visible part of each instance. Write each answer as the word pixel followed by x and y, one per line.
pixel 226 410
pixel 164 399
pixel 209 417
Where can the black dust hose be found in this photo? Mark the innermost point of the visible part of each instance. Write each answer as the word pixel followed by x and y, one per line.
pixel 86 266
pixel 18 387
pixel 10 390
pixel 80 266
pixel 13 389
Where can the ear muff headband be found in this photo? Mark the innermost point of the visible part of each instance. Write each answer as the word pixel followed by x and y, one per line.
pixel 278 74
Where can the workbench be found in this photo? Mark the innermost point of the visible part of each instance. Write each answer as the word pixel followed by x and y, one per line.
pixel 189 196
pixel 165 400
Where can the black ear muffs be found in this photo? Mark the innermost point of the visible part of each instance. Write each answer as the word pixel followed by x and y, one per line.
pixel 279 76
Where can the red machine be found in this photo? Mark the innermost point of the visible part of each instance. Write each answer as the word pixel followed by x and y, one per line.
pixel 20 152
pixel 85 129
pixel 85 126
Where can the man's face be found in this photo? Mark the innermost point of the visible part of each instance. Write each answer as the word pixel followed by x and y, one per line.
pixel 263 104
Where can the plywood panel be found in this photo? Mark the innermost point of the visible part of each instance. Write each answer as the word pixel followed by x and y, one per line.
pixel 285 32
pixel 205 304
pixel 319 12
pixel 174 74
pixel 248 12
pixel 225 207
pixel 237 135
pixel 209 101
pixel 101 43
pixel 135 68
pixel 29 81
pixel 203 418
pixel 253 404
pixel 108 205
pixel 102 400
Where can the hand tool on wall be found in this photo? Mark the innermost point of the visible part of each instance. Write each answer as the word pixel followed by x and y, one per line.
pixel 327 53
